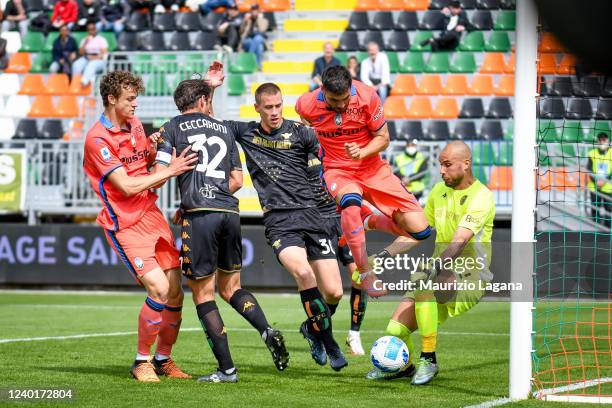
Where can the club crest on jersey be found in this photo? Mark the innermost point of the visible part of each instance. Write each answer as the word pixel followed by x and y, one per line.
pixel 138 262
pixel 208 191
pixel 286 136
pixel 338 119
pixel 462 201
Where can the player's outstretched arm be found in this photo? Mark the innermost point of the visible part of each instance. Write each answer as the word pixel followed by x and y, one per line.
pixel 130 186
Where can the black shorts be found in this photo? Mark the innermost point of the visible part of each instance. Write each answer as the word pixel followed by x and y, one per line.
pixel 211 241
pixel 335 230
pixel 303 228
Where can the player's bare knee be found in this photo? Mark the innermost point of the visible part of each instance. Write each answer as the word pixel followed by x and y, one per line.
pixel 304 275
pixel 334 296
pixel 176 296
pixel 227 292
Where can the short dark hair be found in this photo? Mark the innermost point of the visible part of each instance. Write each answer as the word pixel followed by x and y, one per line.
pixel 455 4
pixel 188 92
pixel 602 135
pixel 268 88
pixel 337 79
pixel 114 82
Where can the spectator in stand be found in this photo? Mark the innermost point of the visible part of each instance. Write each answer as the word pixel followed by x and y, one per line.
pixel 375 71
pixel 166 6
pixel 253 31
pixel 322 63
pixel 599 170
pixel 353 66
pixel 93 50
pixel 114 14
pixel 456 22
pixel 15 17
pixel 210 5
pixel 411 167
pixel 65 12
pixel 64 52
pixel 89 11
pixel 229 29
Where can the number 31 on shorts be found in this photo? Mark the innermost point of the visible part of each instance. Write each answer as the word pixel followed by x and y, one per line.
pixel 327 246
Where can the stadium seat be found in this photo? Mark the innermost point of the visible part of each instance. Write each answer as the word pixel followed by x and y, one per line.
pixel 561 86
pixel 211 21
pixel 464 62
pixel 547 64
pixel 429 85
pixel 127 42
pixel 111 39
pixel 151 41
pixel 481 85
pixel 509 65
pixel 499 108
pixel 412 129
pixel 358 21
pixel 204 41
pixel 348 41
pixel 35 5
pixel 398 41
pixel 432 20
pixel 382 20
pixel 468 4
pixel 372 36
pixel 407 21
pixel 416 5
pixel 472 108
pixel 506 20
pixel 501 178
pixel 41 62
pixel 166 63
pixel 57 84
pixel 438 62
pixel 391 4
pixel 480 172
pixel 137 22
pixel 604 109
pixel 487 4
pixel 455 85
pixel 394 65
pixel 482 20
pixel 157 85
pixel 19 63
pixel 571 132
pixel 498 42
pixel 179 41
pixel 13 41
pixel 579 108
pixel 551 108
pixel 42 107
pixel 67 107
pixel 7 128
pixel 493 63
pixel 473 41
pixel 17 106
pixel 76 88
pixel 32 42
pixel 404 85
pixel 413 63
pixel 33 84
pixel 393 135
pixel 26 129
pixel 509 131
pixel 464 130
pixel 188 21
pixel 597 128
pixel 549 44
pixel 245 5
pixel 9 84
pixel 438 4
pixel 567 66
pixel 418 39
pixel 606 91
pixel 274 5
pixel 52 129
pixel 395 107
pixel 366 5
pixel 437 130
pixel 244 63
pixel 419 108
pixel 504 156
pixel 547 132
pixel 491 130
pixel 235 85
pixel 164 22
pixel 507 4
pixel 587 87
pixel 505 86
pixel 483 154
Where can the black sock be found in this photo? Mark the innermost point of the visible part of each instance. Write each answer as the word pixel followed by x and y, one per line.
pixel 332 308
pixel 319 318
pixel 359 301
pixel 213 326
pixel 245 303
pixel 429 356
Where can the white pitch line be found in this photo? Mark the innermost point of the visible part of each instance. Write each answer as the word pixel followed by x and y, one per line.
pixel 492 403
pixel 190 329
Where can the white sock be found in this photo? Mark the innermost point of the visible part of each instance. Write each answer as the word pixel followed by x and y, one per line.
pixel 365 223
pixel 141 357
pixel 160 357
pixel 353 333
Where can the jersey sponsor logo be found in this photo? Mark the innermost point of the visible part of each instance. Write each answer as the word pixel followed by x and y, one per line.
pixel 105 153
pixel 247 306
pixel 378 114
pixel 186 248
pixel 472 220
pixel 276 244
pixel 462 201
pixel 340 132
pixel 185 235
pixel 272 144
pixel 140 155
pixel 138 262
pixel 208 191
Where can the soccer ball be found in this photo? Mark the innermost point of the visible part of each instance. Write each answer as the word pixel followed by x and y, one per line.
pixel 389 354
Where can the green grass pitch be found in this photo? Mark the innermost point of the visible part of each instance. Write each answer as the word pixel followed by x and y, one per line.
pixel 472 353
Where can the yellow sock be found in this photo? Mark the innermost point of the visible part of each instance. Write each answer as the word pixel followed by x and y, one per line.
pixel 428 343
pixel 426 311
